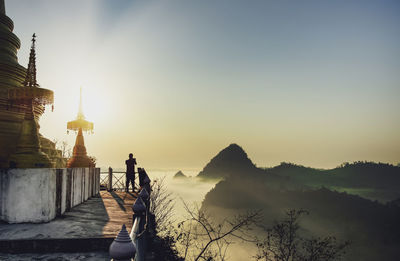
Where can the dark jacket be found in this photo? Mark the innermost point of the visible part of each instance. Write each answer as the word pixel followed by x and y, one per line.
pixel 130 166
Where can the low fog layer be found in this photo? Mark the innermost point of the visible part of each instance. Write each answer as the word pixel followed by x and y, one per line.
pixel 230 184
pixel 190 189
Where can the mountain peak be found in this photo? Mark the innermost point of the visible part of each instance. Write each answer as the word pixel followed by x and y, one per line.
pixel 179 175
pixel 234 147
pixel 231 161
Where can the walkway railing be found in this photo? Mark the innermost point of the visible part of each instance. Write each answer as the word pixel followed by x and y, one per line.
pixel 125 247
pixel 113 180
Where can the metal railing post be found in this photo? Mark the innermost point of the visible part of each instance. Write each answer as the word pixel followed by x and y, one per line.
pixel 141 241
pixel 110 174
pixel 138 234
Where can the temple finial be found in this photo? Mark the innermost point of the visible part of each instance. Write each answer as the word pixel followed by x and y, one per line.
pixel 80 111
pixel 30 79
pixel 80 122
pixel 2 7
pixel 79 157
pixel 33 41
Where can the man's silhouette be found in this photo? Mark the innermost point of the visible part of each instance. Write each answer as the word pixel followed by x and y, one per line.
pixel 130 172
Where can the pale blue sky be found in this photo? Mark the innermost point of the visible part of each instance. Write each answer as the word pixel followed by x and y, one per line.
pixel 311 82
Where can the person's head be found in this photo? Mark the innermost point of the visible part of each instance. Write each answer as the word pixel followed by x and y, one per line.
pixel 130 155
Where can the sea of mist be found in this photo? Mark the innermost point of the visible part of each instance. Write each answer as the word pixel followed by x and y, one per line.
pixel 192 191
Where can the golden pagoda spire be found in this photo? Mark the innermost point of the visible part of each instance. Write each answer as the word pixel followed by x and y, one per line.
pixel 30 79
pixel 80 122
pixel 80 110
pixel 79 158
pixel 28 152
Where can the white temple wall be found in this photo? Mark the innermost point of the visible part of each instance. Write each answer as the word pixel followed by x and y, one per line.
pixel 39 195
pixel 77 183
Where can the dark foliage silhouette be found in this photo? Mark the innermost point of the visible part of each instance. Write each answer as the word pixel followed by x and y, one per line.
pixel 283 242
pixel 345 215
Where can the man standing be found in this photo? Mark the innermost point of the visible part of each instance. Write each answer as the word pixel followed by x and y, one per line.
pixel 130 172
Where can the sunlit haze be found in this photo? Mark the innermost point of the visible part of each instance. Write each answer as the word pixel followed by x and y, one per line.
pixel 316 83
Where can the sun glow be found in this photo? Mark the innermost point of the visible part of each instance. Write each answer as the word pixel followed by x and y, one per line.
pixel 174 83
pixel 95 105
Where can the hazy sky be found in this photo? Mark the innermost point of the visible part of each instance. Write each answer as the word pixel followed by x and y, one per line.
pixel 310 82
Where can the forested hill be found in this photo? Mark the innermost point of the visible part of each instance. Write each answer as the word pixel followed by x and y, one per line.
pixel 231 161
pixel 357 174
pixel 348 217
pixel 342 201
pixel 373 180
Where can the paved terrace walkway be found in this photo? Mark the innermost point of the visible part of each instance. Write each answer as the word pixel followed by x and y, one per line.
pixel 92 224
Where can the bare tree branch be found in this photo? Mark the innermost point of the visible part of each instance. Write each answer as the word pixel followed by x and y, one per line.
pixel 210 238
pixel 283 243
pixel 162 205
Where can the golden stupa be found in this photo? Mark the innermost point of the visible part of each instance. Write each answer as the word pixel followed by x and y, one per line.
pixel 28 153
pixel 21 106
pixel 79 157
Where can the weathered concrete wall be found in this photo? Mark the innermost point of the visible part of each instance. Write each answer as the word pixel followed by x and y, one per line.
pixel 39 195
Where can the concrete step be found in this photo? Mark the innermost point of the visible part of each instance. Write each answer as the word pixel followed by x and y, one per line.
pixel 68 245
